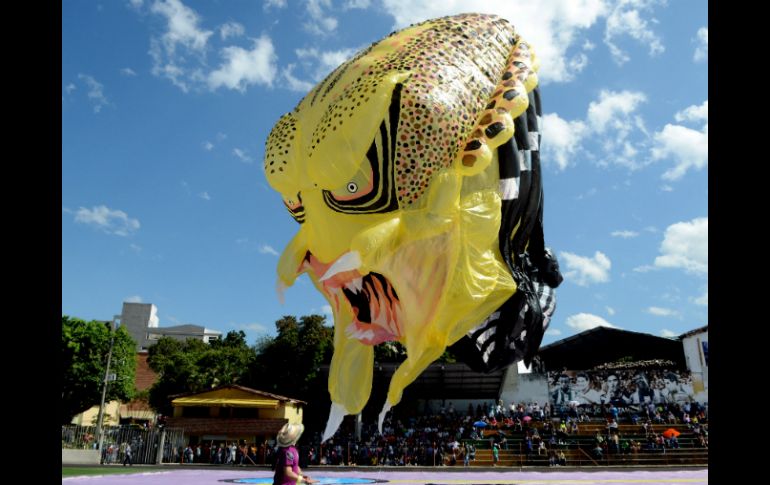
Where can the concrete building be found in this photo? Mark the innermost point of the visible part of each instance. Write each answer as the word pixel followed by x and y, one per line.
pixel 141 322
pixel 696 353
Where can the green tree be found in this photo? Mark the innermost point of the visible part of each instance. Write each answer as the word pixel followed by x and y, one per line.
pixel 85 346
pixel 194 366
pixel 315 346
pixel 227 361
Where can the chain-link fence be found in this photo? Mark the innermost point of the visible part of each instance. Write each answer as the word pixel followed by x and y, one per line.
pixel 144 442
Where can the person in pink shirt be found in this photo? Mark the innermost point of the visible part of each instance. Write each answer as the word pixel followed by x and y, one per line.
pixel 287 471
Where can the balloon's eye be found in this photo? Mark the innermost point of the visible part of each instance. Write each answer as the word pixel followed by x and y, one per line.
pixel 352 187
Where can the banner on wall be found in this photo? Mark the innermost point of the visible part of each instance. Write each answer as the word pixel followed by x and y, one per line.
pixel 620 387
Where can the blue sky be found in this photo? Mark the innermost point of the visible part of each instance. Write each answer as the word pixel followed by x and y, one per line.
pixel 166 105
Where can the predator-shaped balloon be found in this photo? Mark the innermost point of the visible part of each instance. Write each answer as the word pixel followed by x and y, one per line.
pixel 413 170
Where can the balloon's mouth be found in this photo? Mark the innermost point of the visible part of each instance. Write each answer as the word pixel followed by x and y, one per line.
pixel 376 309
pixel 373 300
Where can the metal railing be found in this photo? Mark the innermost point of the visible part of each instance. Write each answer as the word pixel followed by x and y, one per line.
pixel 146 443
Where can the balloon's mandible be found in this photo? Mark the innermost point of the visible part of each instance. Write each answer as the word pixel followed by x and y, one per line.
pixel 413 171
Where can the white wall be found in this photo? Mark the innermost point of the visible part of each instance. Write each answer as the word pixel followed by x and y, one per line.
pixel 696 363
pixel 526 388
pixel 135 317
pixel 79 457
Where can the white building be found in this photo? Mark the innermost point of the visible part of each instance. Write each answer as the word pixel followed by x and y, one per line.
pixel 141 322
pixel 696 353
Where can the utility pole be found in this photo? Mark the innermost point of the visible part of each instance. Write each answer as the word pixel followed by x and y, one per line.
pixel 99 429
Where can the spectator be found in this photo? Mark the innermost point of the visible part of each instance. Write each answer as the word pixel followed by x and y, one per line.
pixel 128 455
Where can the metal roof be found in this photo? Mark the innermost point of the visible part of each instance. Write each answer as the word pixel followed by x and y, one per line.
pixel 603 344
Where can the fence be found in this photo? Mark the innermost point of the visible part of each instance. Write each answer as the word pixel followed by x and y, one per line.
pixel 144 442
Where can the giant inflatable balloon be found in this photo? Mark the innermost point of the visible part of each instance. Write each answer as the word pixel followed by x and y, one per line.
pixel 413 171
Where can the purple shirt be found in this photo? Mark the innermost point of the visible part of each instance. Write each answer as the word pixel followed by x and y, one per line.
pixel 286 457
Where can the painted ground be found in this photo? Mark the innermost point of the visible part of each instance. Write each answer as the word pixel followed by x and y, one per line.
pixel 437 477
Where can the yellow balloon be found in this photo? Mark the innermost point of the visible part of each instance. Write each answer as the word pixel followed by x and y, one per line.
pixel 404 173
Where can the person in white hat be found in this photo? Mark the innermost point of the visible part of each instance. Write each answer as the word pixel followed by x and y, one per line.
pixel 287 471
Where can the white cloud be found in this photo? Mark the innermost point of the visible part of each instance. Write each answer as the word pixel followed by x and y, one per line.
pixel 266 249
pixel 610 310
pixel 587 321
pixel 242 154
pixel 350 4
pixel 610 119
pixel 625 234
pixel 685 246
pixel 182 39
pixel 243 68
pixel 95 92
pixel 127 71
pixel 231 29
pixel 324 61
pixel 320 23
pixel 327 310
pixel 577 63
pixel 133 299
pixel 135 247
pixel 110 221
pixel 204 195
pixel 253 327
pixel 136 3
pixel 182 26
pixel 553 331
pixel 613 110
pixel 208 146
pixel 662 312
pixel 687 148
pixel 588 193
pixel 552 27
pixel 645 268
pixel 626 19
pixel 703 300
pixel 702 50
pixel 295 84
pixel 667 333
pixel 275 3
pixel 583 270
pixel 694 113
pixel 70 88
pixel 562 139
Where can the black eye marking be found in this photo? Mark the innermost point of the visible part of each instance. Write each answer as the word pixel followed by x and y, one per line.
pixel 381 157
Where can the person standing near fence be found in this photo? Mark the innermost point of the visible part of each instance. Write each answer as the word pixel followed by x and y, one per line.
pixel 127 457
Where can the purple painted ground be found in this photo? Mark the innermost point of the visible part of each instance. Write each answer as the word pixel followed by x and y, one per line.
pixel 502 477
